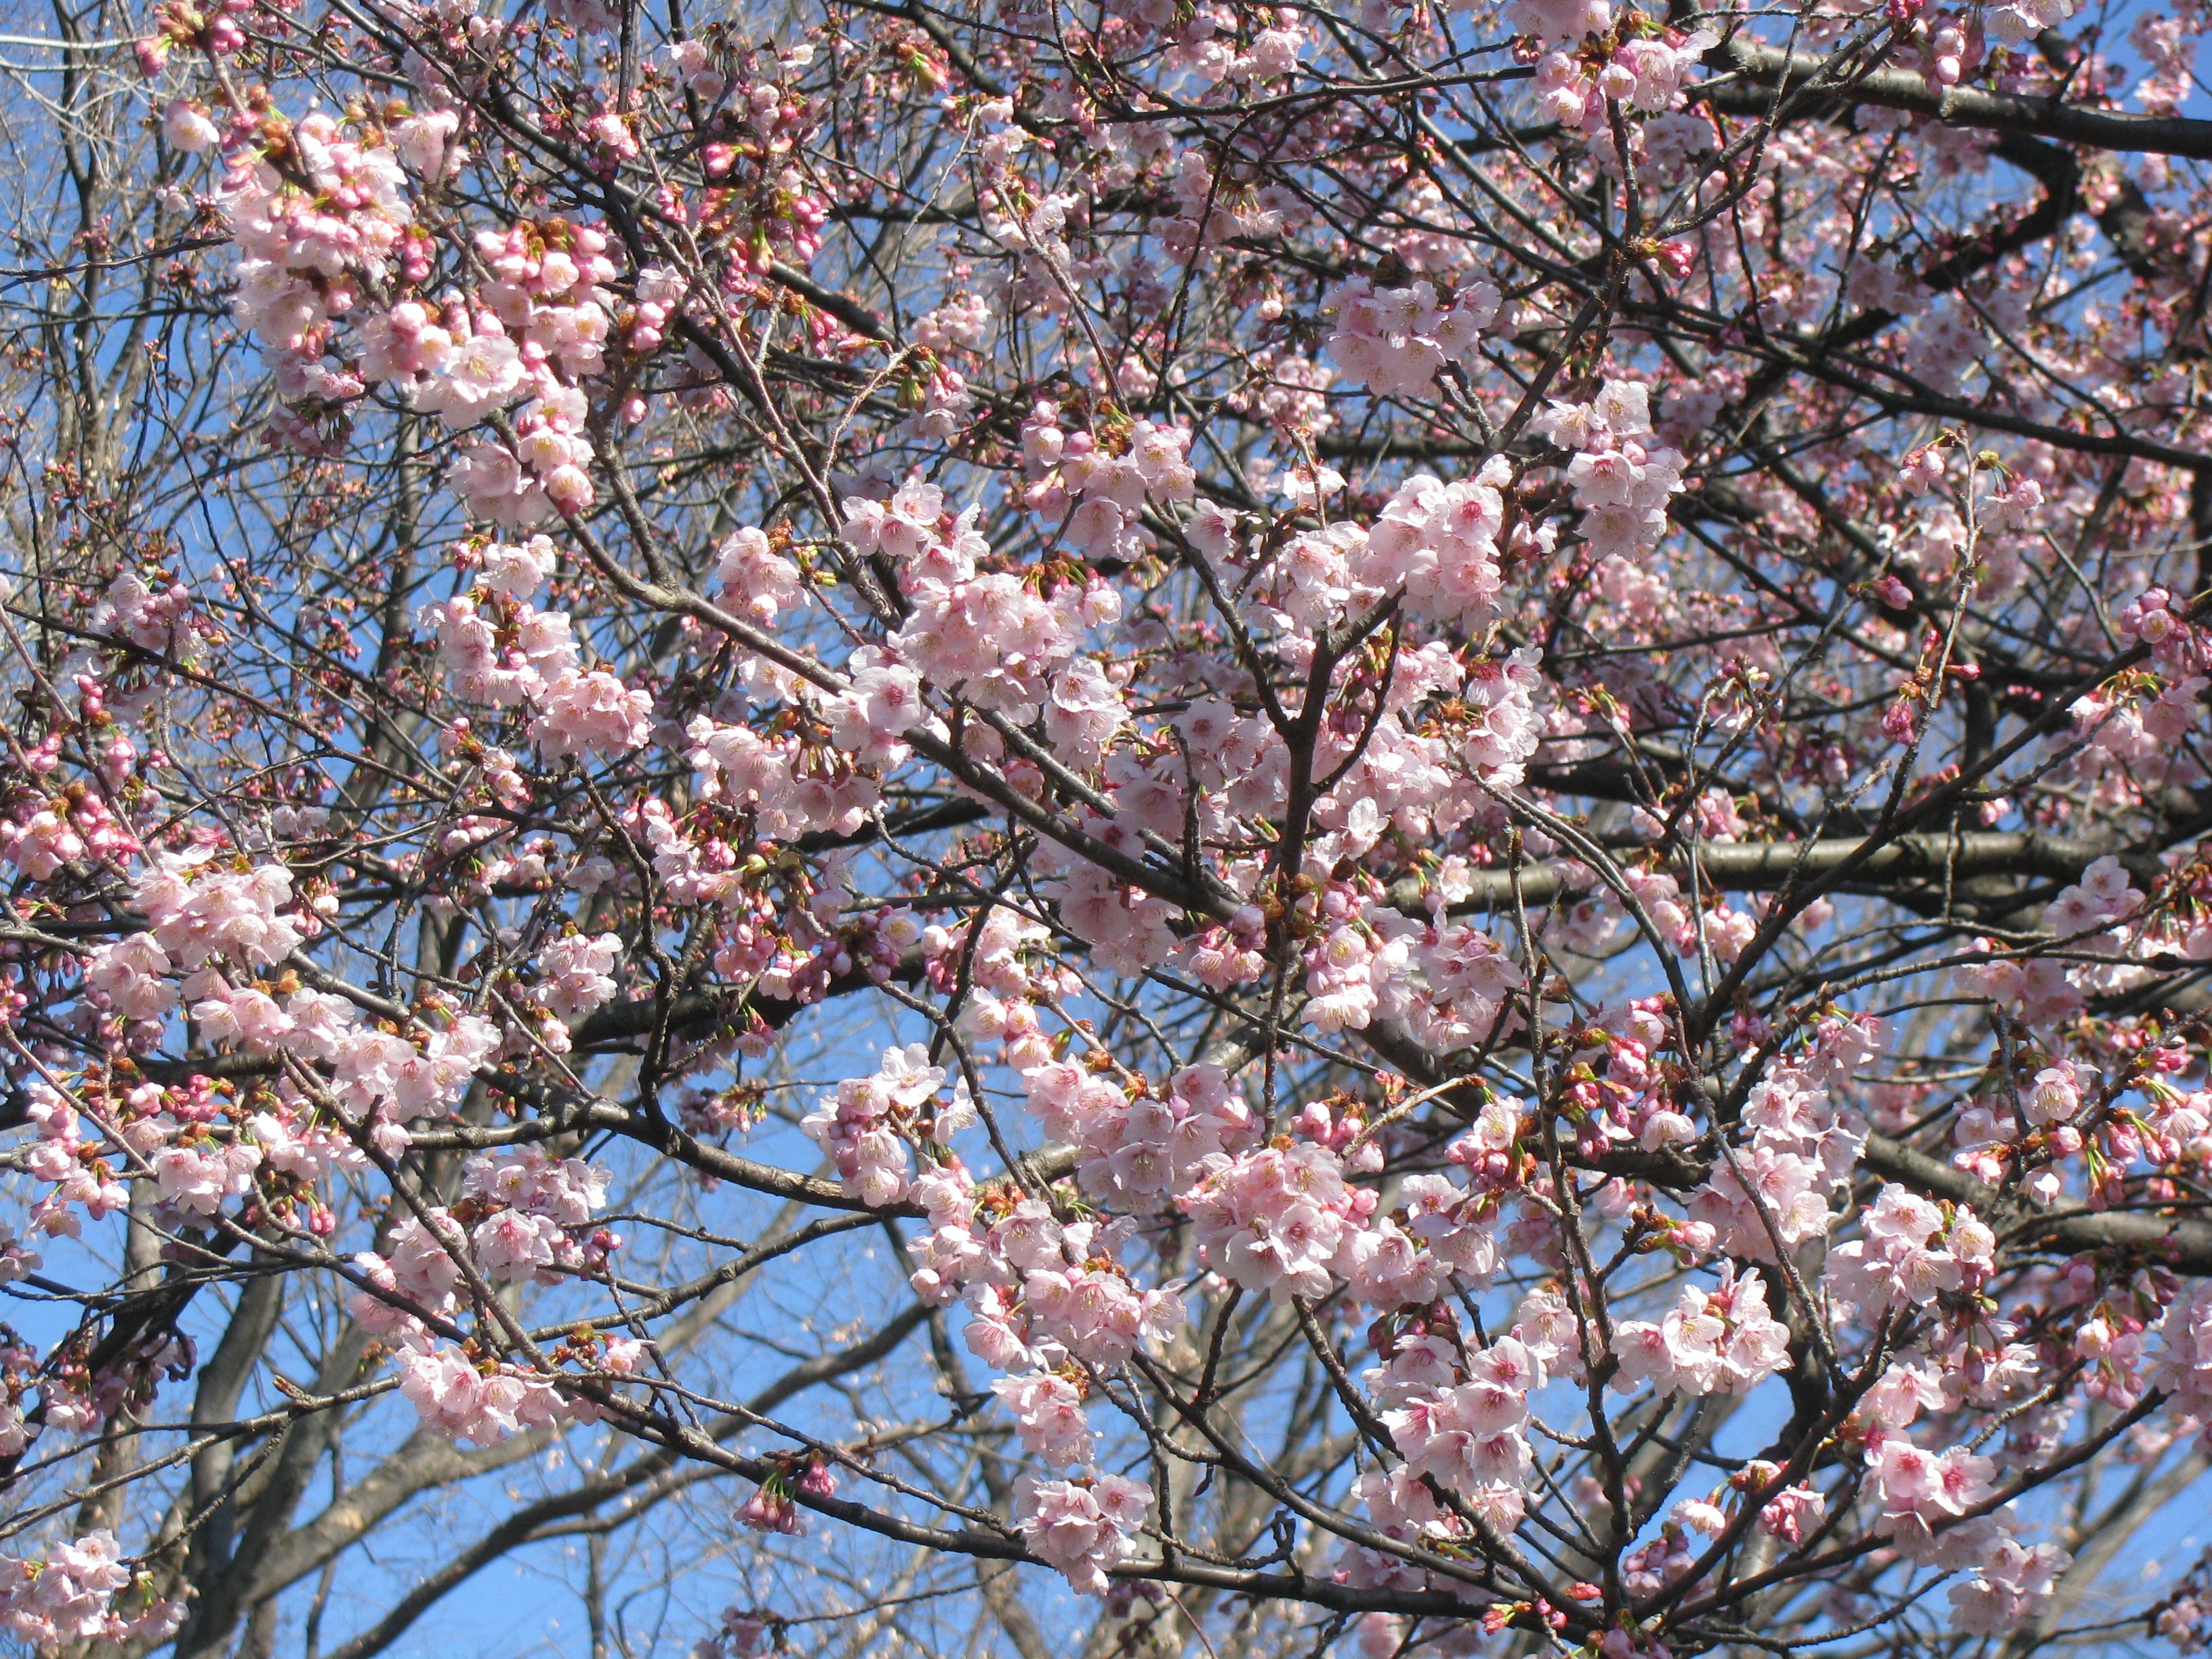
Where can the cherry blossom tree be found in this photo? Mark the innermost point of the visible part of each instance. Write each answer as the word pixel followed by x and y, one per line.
pixel 1198 828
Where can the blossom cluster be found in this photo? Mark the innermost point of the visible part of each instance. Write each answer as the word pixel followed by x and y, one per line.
pixel 71 1592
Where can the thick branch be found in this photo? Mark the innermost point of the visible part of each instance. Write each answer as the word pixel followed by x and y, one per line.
pixel 1992 112
pixel 1766 866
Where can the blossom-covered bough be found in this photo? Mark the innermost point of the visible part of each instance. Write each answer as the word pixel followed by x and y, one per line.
pixel 1190 828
